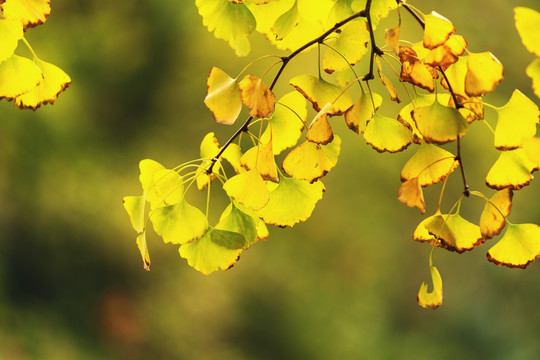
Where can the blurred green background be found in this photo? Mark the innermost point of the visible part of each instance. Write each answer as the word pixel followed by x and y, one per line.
pixel 340 286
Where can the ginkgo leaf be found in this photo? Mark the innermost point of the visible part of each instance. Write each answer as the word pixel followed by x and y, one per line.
pixel 235 220
pixel 519 246
pixel 531 147
pixel 439 124
pixel 29 12
pixel 517 120
pixel 11 31
pixel 18 75
pixel 391 37
pixel 511 170
pixel 421 234
pixel 223 97
pixel 257 97
pixel 410 193
pixel 339 11
pixel 454 232
pixel 249 189
pixel 387 134
pixel 405 117
pixel 217 249
pixel 484 73
pixel 320 131
pixel 492 220
pixel 180 223
pixel 143 249
pixel 431 299
pixel 430 164
pixel 292 201
pixel 233 154
pixel 54 81
pixel 533 71
pixel 286 22
pixel 527 21
pixel 456 74
pixel 267 14
pixel 358 115
pixel 349 48
pixel 261 158
pixel 162 186
pixel 437 30
pixel 228 21
pixel 134 206
pixel 320 92
pixel 379 8
pixel 448 53
pixel 472 108
pixel 208 149
pixel 387 83
pixel 310 161
pixel 287 122
pixel 413 70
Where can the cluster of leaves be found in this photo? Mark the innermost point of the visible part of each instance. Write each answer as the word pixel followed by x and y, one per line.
pixel 30 83
pixel 444 82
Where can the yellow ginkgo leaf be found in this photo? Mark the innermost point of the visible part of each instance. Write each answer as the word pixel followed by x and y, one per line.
pixel 18 75
pixel 484 73
pixel 286 22
pixel 387 134
pixel 320 131
pixel 54 81
pixel 439 124
pixel 431 299
pixel 29 12
pixel 391 37
pixel 519 246
pixel 437 30
pixel 310 161
pixel 531 147
pixel 261 158
pixel 517 120
pixel 134 206
pixel 527 21
pixel 349 48
pixel 512 170
pixel 208 149
pixel 454 232
pixel 413 70
pixel 292 201
pixel 143 249
pixel 249 189
pixel 456 74
pixel 339 11
pixel 430 164
pixel 257 97
pixel 320 92
pixel 421 234
pixel 410 193
pixel 387 83
pixel 162 186
pixel 492 220
pixel 379 8
pixel 533 71
pixel 241 221
pixel 358 115
pixel 11 31
pixel 223 97
pixel 472 108
pixel 448 53
pixel 405 117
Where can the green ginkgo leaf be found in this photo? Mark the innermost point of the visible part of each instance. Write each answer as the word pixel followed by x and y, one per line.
pixel 180 223
pixel 527 21
pixel 320 92
pixel 430 164
pixel 386 134
pixel 533 71
pixel 235 220
pixel 516 120
pixel 512 170
pixel 18 75
pixel 11 31
pixel 519 246
pixel 249 189
pixel 217 249
pixel 439 124
pixel 351 44
pixel 134 206
pixel 286 22
pixel 223 97
pixel 358 115
pixel 292 201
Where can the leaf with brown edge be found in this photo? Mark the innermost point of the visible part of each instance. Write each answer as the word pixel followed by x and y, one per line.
pixel 531 147
pixel 257 97
pixel 527 21
pixel 439 124
pixel 233 154
pixel 387 83
pixel 517 120
pixel 18 75
pixel 143 249
pixel 519 246
pixel 358 115
pixel 410 193
pixel 320 131
pixel 320 92
pixel 387 134
pixel 11 31
pixel 432 299
pixel 261 158
pixel 492 220
pixel 406 119
pixel 391 37
pixel 472 108
pixel 310 161
pixel 448 53
pixel 513 170
pixel 413 70
pixel 437 30
pixel 249 189
pixel 454 232
pixel 484 73
pixel 533 71
pixel 421 234
pixel 351 44
pixel 29 12
pixel 223 97
pixel 430 164
pixel 456 74
pixel 54 81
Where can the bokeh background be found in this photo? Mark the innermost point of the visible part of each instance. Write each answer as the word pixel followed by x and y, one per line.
pixel 340 286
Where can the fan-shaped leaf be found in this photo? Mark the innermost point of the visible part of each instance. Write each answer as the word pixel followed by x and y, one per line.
pixel 511 170
pixel 519 246
pixel 492 220
pixel 18 75
pixel 386 134
pixel 261 158
pixel 533 71
pixel 257 97
pixel 351 44
pixel 11 31
pixel 527 21
pixel 320 131
pixel 413 70
pixel 430 164
pixel 439 124
pixel 223 98
pixel 235 220
pixel 134 206
pixel 180 223
pixel 320 92
pixel 454 232
pixel 29 12
pixel 162 186
pixel 286 22
pixel 484 73
pixel 249 189
pixel 391 37
pixel 437 30
pixel 208 149
pixel 358 115
pixel 410 193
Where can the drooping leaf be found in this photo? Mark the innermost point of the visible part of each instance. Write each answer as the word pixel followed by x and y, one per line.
pixel 235 220
pixel 448 53
pixel 208 149
pixel 413 70
pixel 405 113
pixel 437 30
pixel 286 22
pixel 512 170
pixel 257 97
pixel 431 299
pixel 18 75
pixel 233 154
pixel 527 21
pixel 492 220
pixel 162 186
pixel 292 201
pixel 387 83
pixel 391 37
pixel 249 189
pixel 180 223
pixel 217 249
pixel 410 193
pixel 454 232
pixel 134 206
pixel 351 44
pixel 143 249
pixel 519 246
pixel 439 124
pixel 223 97
pixel 358 115
pixel 11 31
pixel 310 161
pixel 484 73
pixel 261 158
pixel 386 134
pixel 533 71
pixel 320 131
pixel 320 92
pixel 430 164
pixel 29 12
pixel 456 74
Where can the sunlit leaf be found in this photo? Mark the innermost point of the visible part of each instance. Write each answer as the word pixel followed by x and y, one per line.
pixel 217 249
pixel 162 186
pixel 134 206
pixel 472 108
pixel 533 71
pixel 391 37
pixel 517 120
pixel 208 149
pixel 292 201
pixel 437 30
pixel 531 147
pixel 386 134
pixel 379 8
pixel 439 124
pixel 430 164
pixel 484 73
pixel 527 21
pixel 339 11
pixel 286 22
pixel 320 131
pixel 11 31
pixel 233 154
pixel 456 74
pixel 512 170
pixel 431 299
pixel 261 158
pixel 223 97
pixel 143 249
pixel 358 115
pixel 387 83
pixel 249 189
pixel 310 161
pixel 235 220
pixel 320 92
pixel 257 97
pixel 180 223
pixel 410 193
pixel 448 53
pixel 18 75
pixel 29 12
pixel 421 234
pixel 405 113
pixel 413 70
pixel 492 220
pixel 351 44
pixel 519 246
pixel 454 232
pixel 267 14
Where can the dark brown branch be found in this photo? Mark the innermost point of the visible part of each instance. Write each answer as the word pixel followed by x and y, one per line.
pixel 374 48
